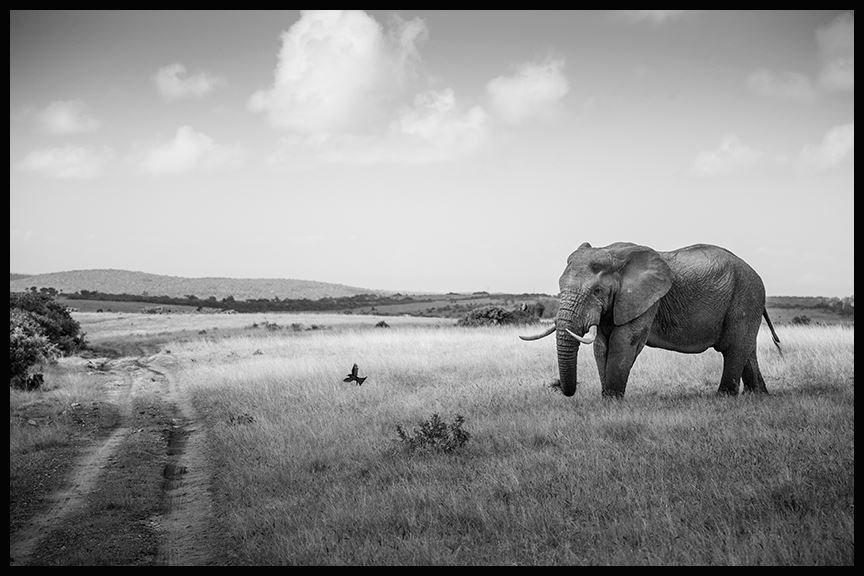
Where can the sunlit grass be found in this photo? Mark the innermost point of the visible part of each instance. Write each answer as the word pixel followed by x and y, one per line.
pixel 672 474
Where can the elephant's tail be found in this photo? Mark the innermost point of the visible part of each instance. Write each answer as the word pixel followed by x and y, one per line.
pixel 773 333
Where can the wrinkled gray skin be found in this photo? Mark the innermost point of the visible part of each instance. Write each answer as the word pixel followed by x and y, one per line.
pixel 686 300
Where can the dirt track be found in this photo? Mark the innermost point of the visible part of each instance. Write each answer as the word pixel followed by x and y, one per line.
pixel 183 519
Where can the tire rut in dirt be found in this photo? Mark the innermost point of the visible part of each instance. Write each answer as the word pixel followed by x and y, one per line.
pixel 187 521
pixel 126 382
pixel 63 503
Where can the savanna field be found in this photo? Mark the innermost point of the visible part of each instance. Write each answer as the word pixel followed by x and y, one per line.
pixel 304 468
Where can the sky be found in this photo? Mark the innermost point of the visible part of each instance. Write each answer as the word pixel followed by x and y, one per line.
pixel 430 151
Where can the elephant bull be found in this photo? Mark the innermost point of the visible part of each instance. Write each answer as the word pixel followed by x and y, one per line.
pixel 623 297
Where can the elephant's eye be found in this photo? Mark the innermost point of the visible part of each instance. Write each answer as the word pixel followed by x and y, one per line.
pixel 598 291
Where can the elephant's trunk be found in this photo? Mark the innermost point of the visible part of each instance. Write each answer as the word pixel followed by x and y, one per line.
pixel 570 309
pixel 568 354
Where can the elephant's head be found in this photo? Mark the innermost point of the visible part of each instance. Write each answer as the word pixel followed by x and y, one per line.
pixel 607 286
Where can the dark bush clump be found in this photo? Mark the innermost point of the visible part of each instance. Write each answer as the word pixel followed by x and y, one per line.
pixel 435 435
pixel 801 320
pixel 496 316
pixel 53 319
pixel 28 345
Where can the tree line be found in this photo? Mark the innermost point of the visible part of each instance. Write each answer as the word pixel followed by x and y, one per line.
pixel 252 305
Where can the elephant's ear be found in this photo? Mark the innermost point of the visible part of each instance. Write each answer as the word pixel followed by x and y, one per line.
pixel 645 278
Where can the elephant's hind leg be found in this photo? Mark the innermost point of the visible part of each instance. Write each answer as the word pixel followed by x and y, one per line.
pixel 733 367
pixel 752 376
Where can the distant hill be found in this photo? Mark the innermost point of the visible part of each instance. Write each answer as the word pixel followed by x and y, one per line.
pixel 18 276
pixel 127 282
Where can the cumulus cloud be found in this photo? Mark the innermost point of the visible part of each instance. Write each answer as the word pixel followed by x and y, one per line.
pixel 174 84
pixel 731 156
pixel 66 117
pixel 186 152
pixel 529 92
pixel 837 53
pixel 837 145
pixel 787 86
pixel 67 162
pixel 339 72
pixel 651 16
pixel 433 129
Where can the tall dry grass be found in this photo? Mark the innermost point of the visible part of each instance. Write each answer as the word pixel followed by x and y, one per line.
pixel 671 474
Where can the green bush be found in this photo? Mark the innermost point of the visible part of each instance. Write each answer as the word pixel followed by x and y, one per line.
pixel 28 345
pixel 52 318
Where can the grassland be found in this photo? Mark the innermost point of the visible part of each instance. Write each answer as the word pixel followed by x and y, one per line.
pixel 671 475
pixel 306 469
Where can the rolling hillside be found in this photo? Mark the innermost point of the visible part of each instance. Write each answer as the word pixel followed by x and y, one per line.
pixel 127 282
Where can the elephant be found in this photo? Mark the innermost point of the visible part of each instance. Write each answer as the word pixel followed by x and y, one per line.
pixel 626 296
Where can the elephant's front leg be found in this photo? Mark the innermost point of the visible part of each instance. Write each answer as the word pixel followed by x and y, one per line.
pixel 624 345
pixel 601 349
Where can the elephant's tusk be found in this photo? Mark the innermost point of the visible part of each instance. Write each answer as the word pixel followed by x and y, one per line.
pixel 592 335
pixel 550 330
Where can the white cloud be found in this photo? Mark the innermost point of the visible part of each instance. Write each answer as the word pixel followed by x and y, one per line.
pixel 432 129
pixel 837 53
pixel 340 72
pixel 528 93
pixel 732 155
pixel 66 117
pixel 652 16
pixel 172 84
pixel 67 162
pixel 837 145
pixel 788 85
pixel 188 151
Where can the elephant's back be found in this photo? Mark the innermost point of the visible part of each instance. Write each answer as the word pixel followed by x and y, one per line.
pixel 707 257
pixel 719 272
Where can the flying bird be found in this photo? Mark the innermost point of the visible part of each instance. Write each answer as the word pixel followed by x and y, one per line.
pixel 352 377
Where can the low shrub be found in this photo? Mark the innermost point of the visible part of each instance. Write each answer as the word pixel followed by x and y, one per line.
pixel 435 435
pixel 28 345
pixel 496 316
pixel 53 319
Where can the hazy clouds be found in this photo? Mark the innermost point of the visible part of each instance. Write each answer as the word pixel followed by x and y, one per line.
pixel 732 155
pixel 188 151
pixel 67 162
pixel 66 117
pixel 174 83
pixel 529 92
